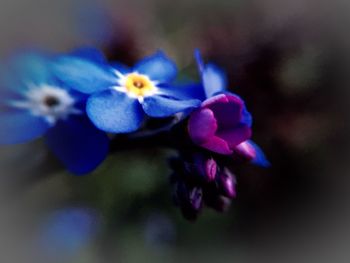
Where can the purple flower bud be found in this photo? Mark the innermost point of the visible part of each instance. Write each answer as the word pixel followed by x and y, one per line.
pixel 206 168
pixel 189 199
pixel 218 125
pixel 199 168
pixel 227 183
pixel 195 198
pixel 210 169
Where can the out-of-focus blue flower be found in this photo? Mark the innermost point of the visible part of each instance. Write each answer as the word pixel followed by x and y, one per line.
pixel 214 83
pixel 65 232
pixel 33 103
pixel 121 97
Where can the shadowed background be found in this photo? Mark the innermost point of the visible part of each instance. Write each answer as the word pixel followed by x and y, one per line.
pixel 288 59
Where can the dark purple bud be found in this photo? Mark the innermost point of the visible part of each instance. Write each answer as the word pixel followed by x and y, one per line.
pixel 189 199
pixel 227 183
pixel 218 125
pixel 195 198
pixel 201 168
pixel 210 169
pixel 205 168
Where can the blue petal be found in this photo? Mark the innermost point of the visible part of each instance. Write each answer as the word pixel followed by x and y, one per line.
pixel 158 67
pixel 83 75
pixel 159 106
pixel 214 79
pixel 31 68
pixel 121 68
pixel 10 86
pixel 20 127
pixel 184 91
pixel 78 144
pixel 115 112
pixel 199 60
pixel 247 117
pixel 260 158
pixel 90 53
pixel 66 231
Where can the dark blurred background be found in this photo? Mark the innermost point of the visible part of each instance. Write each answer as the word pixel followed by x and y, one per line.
pixel 288 59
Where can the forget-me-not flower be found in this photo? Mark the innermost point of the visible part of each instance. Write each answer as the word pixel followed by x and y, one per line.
pixel 121 97
pixel 33 104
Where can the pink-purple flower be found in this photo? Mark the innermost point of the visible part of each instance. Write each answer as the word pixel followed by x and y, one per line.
pixel 218 125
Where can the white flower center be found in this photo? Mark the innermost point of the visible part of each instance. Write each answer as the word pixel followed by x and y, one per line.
pixel 49 102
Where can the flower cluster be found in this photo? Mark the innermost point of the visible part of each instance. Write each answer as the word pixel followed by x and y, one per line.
pixel 76 101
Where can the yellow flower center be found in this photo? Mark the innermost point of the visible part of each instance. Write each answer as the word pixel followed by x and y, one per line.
pixel 139 85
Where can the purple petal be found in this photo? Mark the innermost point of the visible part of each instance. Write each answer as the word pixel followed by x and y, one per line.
pixel 216 99
pixel 217 145
pixel 227 110
pixel 235 136
pixel 202 126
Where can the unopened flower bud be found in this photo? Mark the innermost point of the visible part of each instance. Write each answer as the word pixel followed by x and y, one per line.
pixel 195 198
pixel 227 183
pixel 205 168
pixel 210 169
pixel 189 199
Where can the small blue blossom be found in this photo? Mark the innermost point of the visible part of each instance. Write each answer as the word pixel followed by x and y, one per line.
pixel 33 104
pixel 65 232
pixel 121 97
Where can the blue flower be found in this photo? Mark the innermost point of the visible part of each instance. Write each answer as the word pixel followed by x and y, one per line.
pixel 66 231
pixel 33 103
pixel 214 83
pixel 121 97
